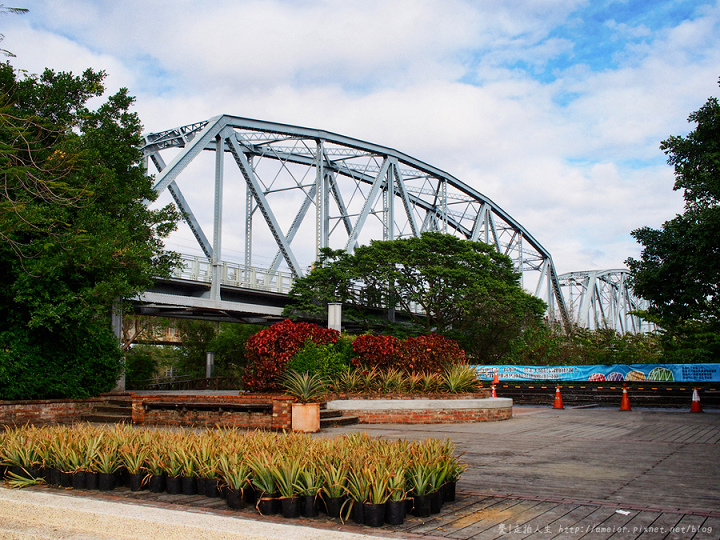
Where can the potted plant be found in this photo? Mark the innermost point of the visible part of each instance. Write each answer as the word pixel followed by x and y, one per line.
pixel 308 390
pixel 334 473
pixel 309 483
pixel 395 507
pixel 263 480
pixel 235 476
pixel 286 472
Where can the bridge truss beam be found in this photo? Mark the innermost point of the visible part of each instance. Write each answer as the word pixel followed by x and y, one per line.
pixel 601 299
pixel 360 191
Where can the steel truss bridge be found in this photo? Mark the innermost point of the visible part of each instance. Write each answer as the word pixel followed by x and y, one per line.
pixel 288 191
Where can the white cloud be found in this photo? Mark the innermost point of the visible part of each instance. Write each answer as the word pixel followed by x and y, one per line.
pixel 575 159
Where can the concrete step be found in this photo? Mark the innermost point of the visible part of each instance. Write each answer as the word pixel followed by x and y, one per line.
pixel 335 421
pixel 326 413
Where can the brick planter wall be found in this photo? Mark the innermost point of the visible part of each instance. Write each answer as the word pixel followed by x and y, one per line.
pixel 425 411
pixel 209 410
pixel 44 411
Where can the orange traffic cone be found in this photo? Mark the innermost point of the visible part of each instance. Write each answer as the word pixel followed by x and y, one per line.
pixel 695 406
pixel 496 379
pixel 494 394
pixel 558 399
pixel 625 403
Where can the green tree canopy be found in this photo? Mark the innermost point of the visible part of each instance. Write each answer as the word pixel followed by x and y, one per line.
pixel 679 268
pixel 76 233
pixel 465 290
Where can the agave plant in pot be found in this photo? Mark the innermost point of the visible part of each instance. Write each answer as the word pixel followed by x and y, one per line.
pixel 334 473
pixel 308 390
pixel 286 472
pixel 310 482
pixel 396 484
pixel 419 477
pixel 358 490
pixel 376 476
pixel 263 480
pixel 133 456
pixel 235 477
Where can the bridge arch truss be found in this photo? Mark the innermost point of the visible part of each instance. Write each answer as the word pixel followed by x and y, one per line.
pixel 304 189
pixel 599 299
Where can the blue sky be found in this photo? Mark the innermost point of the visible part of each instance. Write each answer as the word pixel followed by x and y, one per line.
pixel 555 109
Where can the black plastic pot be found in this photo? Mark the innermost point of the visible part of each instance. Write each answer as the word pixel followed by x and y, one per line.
pixel 395 512
pixel 54 476
pixel 200 483
pixel 173 485
pixel 156 484
pixel 435 502
pixel 357 513
pixel 234 499
pixel 374 514
pixel 290 507
pixel 421 506
pixel 449 491
pixel 66 479
pixel 333 506
pixel 106 481
pixel 78 480
pixel 92 480
pixel 307 506
pixel 268 505
pixel 251 495
pixel 136 481
pixel 212 487
pixel 189 485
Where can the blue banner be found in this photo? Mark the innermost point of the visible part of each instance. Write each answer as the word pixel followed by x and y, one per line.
pixel 602 373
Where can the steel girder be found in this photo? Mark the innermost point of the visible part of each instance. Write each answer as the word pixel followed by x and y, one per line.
pixel 360 191
pixel 601 299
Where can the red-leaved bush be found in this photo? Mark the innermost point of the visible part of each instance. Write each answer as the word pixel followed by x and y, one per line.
pixel 382 352
pixel 269 350
pixel 431 352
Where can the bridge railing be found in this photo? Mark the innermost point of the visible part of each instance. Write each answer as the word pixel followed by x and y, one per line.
pixel 196 268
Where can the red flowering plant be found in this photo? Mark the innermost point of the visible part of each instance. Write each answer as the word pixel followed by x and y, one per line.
pixel 428 353
pixel 269 351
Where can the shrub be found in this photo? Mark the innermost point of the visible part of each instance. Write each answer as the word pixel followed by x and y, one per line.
pixel 269 351
pixel 380 352
pixel 429 353
pixel 323 360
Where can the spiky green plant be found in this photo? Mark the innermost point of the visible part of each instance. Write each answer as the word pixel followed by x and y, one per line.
pixel 460 378
pixel 303 386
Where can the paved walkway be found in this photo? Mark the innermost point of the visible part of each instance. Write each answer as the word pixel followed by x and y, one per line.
pixel 574 473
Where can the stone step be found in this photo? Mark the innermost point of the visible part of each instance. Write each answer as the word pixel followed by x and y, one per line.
pixel 336 421
pixel 112 409
pixel 327 413
pixel 107 418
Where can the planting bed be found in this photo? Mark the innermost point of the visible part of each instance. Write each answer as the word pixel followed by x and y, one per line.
pixel 458 408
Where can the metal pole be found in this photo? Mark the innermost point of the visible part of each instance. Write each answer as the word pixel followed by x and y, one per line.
pixel 209 364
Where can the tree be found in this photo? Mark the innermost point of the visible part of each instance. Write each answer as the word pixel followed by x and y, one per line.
pixel 76 232
pixel 679 268
pixel 465 290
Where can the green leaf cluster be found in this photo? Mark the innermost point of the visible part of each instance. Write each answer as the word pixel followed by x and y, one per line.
pixel 75 232
pixel 443 284
pixel 679 268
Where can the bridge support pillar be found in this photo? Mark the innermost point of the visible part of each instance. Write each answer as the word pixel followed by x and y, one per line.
pixel 335 316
